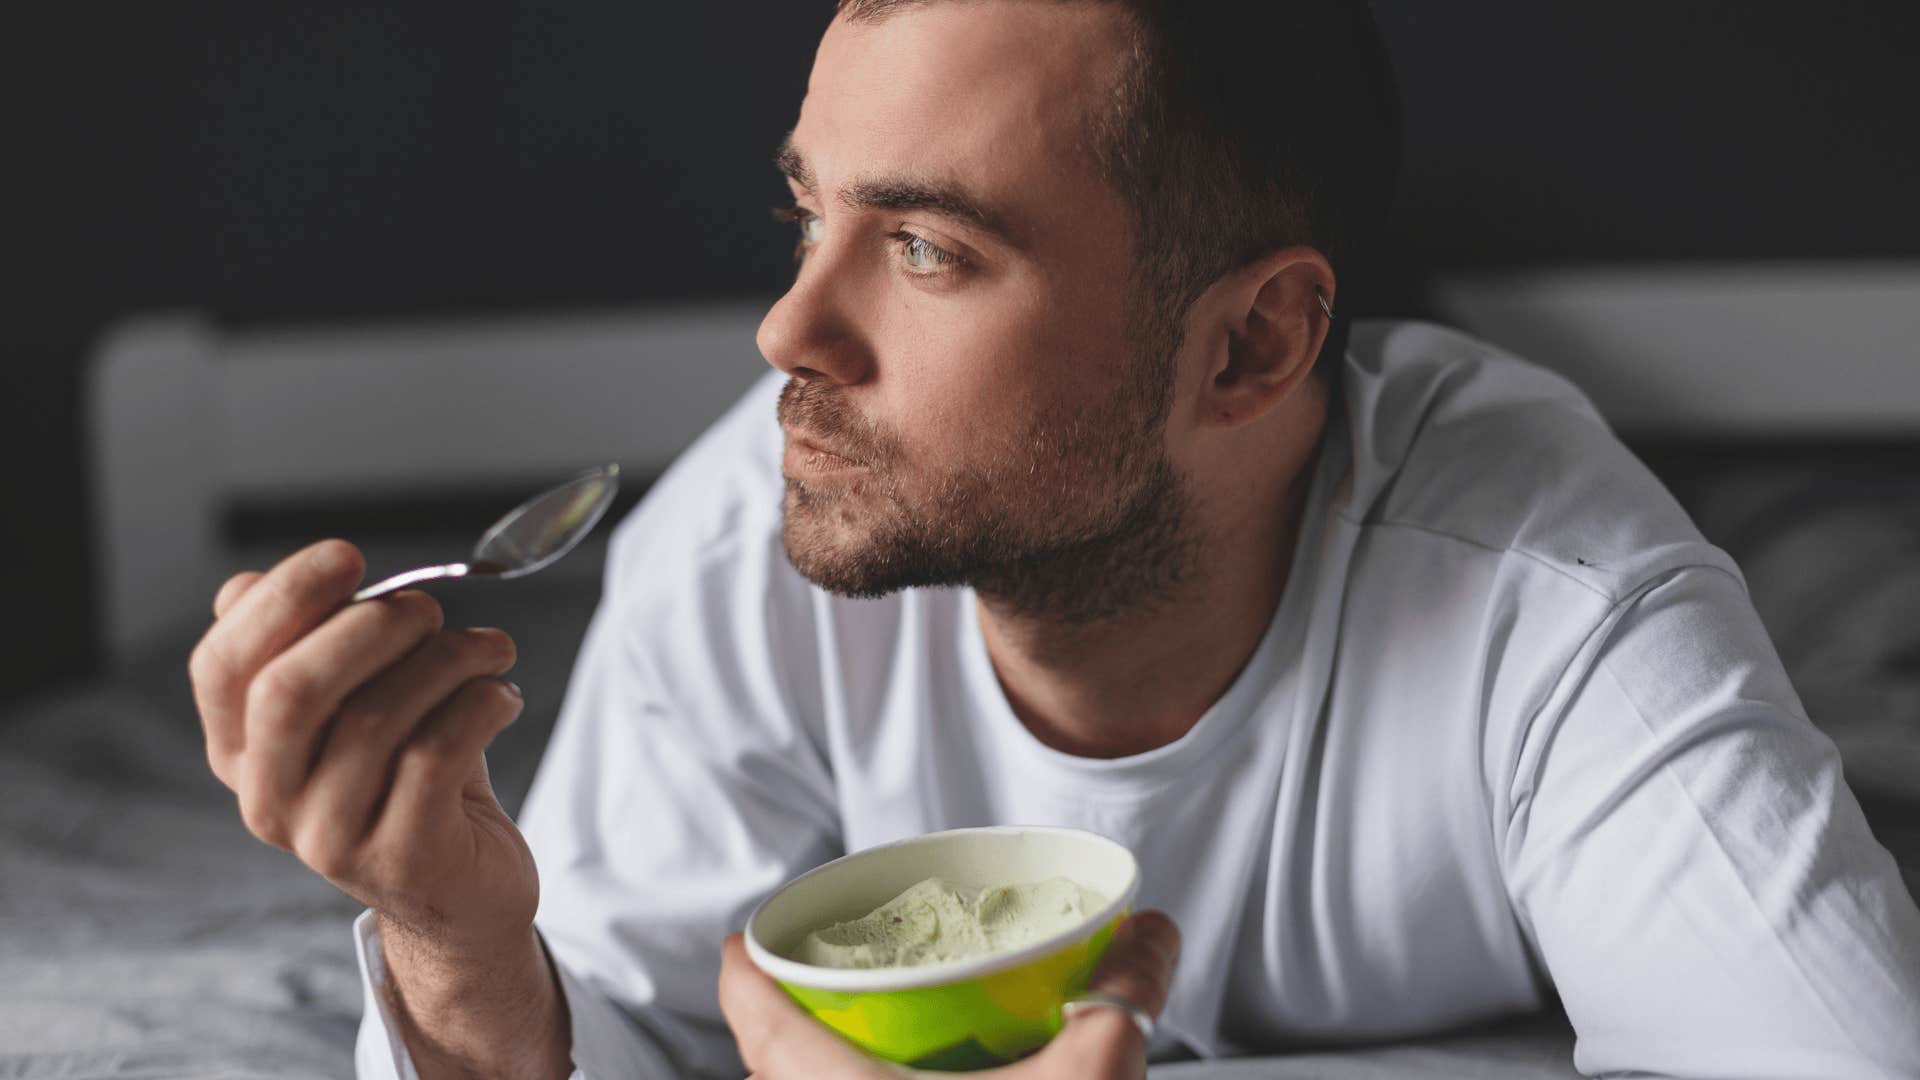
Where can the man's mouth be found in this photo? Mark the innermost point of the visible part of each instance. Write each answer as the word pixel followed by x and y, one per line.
pixel 808 456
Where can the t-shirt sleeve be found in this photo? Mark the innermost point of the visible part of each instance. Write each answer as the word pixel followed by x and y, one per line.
pixel 683 784
pixel 1688 862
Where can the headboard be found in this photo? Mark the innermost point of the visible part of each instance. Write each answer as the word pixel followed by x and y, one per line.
pixel 189 419
pixel 1746 353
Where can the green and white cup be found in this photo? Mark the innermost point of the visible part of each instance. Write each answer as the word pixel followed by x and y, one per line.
pixel 967 1014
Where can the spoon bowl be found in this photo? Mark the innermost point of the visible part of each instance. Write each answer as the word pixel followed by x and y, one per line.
pixel 530 537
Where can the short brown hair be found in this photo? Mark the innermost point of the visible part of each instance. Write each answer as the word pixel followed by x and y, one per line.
pixel 1242 127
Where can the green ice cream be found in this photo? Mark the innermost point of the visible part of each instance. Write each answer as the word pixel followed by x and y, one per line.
pixel 935 921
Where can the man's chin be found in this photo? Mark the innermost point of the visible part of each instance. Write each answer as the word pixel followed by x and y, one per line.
pixel 827 549
pixel 832 548
pixel 843 573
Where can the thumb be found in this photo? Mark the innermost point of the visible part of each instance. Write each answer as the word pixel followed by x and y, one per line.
pixel 1138 968
pixel 477 787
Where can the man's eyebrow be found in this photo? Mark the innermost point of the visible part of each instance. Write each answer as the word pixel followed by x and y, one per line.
pixel 902 194
pixel 914 195
pixel 792 164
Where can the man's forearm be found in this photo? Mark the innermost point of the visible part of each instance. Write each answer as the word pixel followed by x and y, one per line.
pixel 496 1014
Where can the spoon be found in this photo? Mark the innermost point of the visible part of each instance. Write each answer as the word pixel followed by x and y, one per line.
pixel 531 537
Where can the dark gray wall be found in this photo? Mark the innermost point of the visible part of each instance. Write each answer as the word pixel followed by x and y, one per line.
pixel 270 161
pixel 1581 131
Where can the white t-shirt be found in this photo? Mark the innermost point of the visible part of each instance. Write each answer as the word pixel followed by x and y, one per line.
pixel 1514 730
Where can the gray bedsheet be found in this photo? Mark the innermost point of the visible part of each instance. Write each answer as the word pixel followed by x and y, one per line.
pixel 144 933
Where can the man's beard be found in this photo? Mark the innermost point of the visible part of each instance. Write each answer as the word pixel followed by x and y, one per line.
pixel 1086 521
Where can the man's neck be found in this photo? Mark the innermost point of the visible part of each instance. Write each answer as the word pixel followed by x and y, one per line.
pixel 1142 679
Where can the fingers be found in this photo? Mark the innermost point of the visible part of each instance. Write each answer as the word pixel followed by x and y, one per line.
pixel 777 1040
pixel 263 619
pixel 355 737
pixel 1138 966
pixel 346 791
pixel 291 702
pixel 233 590
pixel 1102 1042
pixel 432 768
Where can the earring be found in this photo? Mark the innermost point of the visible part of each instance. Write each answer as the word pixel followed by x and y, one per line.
pixel 1324 306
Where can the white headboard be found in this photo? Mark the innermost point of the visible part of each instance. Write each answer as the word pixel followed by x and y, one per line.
pixel 187 417
pixel 1749 352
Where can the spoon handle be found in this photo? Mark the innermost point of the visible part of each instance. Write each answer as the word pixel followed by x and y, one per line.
pixel 413 577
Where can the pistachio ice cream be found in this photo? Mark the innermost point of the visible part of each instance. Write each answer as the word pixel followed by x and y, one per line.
pixel 936 921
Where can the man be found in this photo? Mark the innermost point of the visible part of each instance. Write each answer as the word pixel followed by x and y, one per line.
pixel 1420 701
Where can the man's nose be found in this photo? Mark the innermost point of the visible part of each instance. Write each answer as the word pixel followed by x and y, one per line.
pixel 809 335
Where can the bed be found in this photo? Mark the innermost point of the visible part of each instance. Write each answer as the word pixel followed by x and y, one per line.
pixel 144 933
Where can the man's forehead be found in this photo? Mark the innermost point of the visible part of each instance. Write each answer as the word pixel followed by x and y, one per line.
pixel 994 94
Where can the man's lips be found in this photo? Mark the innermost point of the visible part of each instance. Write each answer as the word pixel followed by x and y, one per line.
pixel 807 454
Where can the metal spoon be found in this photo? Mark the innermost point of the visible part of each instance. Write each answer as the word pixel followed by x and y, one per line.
pixel 531 537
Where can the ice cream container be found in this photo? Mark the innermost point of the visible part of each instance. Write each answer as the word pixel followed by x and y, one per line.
pixel 966 1014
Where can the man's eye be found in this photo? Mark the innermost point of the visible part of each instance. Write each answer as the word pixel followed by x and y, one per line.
pixel 921 255
pixel 811 225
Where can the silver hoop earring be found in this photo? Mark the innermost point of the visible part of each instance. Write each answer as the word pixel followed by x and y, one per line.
pixel 1324 306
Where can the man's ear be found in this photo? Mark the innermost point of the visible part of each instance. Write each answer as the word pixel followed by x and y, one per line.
pixel 1269 324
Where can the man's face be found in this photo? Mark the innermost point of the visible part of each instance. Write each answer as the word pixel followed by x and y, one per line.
pixel 969 404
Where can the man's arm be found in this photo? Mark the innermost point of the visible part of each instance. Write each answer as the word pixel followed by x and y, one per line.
pixel 678 789
pixel 592 1035
pixel 459 1016
pixel 353 737
pixel 1693 871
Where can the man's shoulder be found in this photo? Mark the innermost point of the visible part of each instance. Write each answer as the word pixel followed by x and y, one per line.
pixel 1455 438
